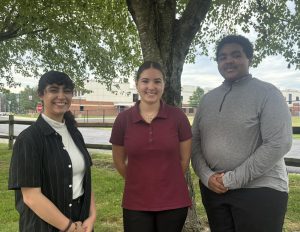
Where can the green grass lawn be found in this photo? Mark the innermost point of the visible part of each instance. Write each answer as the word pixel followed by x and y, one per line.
pixel 108 187
pixel 296 136
pixel 296 121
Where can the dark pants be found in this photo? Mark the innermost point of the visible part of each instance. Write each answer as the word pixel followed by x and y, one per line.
pixel 245 210
pixel 76 208
pixel 160 221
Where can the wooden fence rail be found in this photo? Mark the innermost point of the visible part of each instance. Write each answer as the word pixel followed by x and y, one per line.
pixel 11 122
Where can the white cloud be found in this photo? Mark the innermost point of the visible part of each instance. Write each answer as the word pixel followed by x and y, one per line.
pixel 274 69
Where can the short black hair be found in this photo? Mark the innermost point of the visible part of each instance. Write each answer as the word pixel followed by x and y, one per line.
pixel 149 64
pixel 237 39
pixel 54 77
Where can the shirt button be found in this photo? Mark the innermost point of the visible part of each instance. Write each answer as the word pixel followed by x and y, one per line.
pixel 70 186
pixel 70 205
pixel 70 166
pixel 64 148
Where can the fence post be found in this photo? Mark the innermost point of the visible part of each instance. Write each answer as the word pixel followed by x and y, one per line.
pixel 10 131
pixel 103 115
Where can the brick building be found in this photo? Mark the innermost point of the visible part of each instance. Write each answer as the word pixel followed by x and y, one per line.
pixel 292 98
pixel 100 102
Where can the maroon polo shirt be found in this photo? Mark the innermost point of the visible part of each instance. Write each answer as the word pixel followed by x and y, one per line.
pixel 154 177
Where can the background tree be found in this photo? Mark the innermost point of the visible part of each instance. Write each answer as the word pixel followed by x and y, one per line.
pixel 28 99
pixel 98 38
pixel 11 103
pixel 168 29
pixel 22 102
pixel 194 100
pixel 94 38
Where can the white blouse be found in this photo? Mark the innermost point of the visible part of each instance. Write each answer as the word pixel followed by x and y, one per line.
pixel 74 153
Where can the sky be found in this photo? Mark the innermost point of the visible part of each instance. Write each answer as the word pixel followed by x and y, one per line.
pixel 273 69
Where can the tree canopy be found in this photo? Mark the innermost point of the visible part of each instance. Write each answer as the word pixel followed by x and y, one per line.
pixel 100 38
pixel 274 26
pixel 82 38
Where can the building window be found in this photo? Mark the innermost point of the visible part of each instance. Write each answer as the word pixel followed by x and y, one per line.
pixel 297 98
pixel 77 93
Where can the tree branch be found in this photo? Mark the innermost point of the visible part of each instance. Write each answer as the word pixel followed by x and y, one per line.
pixel 143 14
pixel 262 8
pixel 15 33
pixel 7 20
pixel 190 22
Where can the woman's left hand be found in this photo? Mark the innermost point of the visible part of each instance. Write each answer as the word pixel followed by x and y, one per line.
pixel 88 224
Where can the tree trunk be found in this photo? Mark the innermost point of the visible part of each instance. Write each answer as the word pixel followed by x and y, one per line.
pixel 167 40
pixel 192 223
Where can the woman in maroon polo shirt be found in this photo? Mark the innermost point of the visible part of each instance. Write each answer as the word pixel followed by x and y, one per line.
pixel 151 150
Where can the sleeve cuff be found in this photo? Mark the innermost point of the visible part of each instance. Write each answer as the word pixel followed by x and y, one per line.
pixel 229 181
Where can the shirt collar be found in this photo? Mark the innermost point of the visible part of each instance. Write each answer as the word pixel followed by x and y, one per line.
pixel 44 126
pixel 54 124
pixel 238 81
pixel 162 113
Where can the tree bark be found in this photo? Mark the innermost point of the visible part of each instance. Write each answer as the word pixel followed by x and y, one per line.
pixel 167 40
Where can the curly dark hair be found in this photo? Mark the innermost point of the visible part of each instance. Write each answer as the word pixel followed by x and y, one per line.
pixel 237 39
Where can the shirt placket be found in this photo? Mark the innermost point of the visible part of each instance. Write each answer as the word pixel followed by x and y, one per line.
pixel 150 134
pixel 70 171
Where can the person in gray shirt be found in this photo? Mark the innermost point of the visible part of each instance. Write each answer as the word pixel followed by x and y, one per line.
pixel 241 132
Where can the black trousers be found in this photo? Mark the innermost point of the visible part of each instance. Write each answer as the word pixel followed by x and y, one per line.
pixel 76 208
pixel 245 210
pixel 149 221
